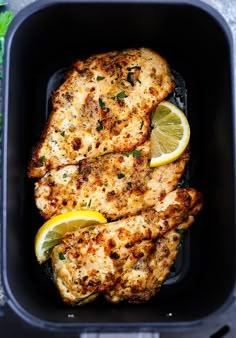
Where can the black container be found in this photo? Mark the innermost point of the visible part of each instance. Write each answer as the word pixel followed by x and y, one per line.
pixel 50 35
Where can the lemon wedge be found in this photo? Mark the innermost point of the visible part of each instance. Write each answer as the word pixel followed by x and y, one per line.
pixel 52 232
pixel 170 134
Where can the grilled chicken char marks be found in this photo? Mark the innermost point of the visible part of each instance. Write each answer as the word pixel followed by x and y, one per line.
pixel 103 106
pixel 127 259
pixel 117 185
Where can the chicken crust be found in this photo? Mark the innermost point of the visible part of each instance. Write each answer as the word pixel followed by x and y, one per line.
pixel 128 259
pixel 117 184
pixel 103 106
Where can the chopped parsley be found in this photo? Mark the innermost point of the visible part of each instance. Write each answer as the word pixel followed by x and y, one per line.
pixel 121 95
pixel 130 78
pixel 89 203
pixel 91 228
pixel 120 175
pixel 136 152
pixel 141 125
pixel 100 126
pixel 125 154
pixel 104 149
pixel 42 159
pixel 101 103
pixel 64 175
pixel 180 231
pixel 99 78
pixel 129 184
pixel 63 133
pixel 84 204
pixel 61 256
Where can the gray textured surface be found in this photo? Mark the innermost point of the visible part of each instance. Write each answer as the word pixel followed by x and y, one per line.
pixel 227 8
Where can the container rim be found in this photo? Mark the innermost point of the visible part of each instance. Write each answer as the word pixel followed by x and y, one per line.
pixel 11 300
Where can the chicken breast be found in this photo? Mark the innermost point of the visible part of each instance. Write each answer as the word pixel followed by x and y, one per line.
pixel 128 259
pixel 117 184
pixel 103 106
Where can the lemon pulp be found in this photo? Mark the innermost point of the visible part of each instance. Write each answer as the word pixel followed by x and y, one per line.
pixel 170 134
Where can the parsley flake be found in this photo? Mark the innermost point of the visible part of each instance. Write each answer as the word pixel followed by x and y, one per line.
pixel 120 175
pixel 136 152
pixel 130 78
pixel 100 126
pixel 141 125
pixel 121 95
pixel 91 228
pixel 99 78
pixel 61 256
pixel 89 203
pixel 64 175
pixel 101 103
pixel 63 133
pixel 180 231
pixel 42 159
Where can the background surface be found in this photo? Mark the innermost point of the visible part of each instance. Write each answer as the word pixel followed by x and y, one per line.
pixel 217 327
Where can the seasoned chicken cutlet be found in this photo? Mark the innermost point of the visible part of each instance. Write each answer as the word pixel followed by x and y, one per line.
pixel 103 106
pixel 117 184
pixel 128 259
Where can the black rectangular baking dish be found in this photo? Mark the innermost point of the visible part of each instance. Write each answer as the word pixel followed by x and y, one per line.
pixel 48 36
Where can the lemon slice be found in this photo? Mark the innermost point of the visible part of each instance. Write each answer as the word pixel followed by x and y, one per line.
pixel 52 232
pixel 170 134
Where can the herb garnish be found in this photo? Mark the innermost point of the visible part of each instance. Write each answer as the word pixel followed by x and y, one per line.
pixel 120 175
pixel 102 105
pixel 63 133
pixel 99 78
pixel 89 203
pixel 91 228
pixel 136 152
pixel 100 126
pixel 129 184
pixel 141 125
pixel 42 159
pixel 130 78
pixel 121 95
pixel 64 175
pixel 61 256
pixel 180 231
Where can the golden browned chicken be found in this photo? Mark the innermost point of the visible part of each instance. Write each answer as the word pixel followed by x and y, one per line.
pixel 117 184
pixel 128 259
pixel 103 106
